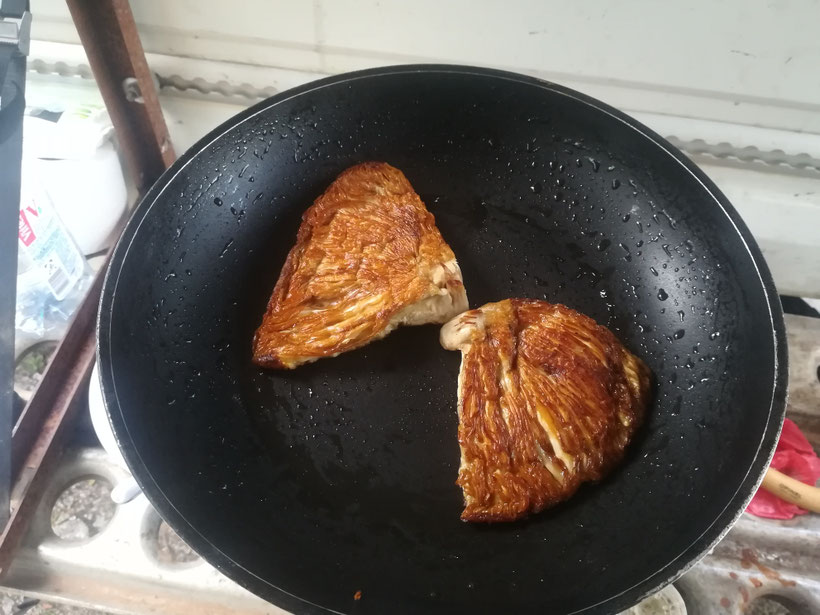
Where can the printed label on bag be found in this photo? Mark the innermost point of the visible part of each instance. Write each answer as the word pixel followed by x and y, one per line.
pixel 24 229
pixel 49 246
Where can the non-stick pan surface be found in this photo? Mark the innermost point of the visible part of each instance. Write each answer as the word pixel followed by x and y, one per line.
pixel 312 485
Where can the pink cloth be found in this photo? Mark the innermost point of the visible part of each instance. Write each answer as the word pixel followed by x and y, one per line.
pixel 795 457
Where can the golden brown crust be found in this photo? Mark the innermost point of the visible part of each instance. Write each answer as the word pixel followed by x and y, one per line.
pixel 548 399
pixel 366 250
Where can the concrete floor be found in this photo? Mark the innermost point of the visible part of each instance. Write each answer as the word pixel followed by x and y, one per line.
pixel 15 604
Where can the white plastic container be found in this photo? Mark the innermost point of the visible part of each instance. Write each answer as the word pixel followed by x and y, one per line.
pixel 80 171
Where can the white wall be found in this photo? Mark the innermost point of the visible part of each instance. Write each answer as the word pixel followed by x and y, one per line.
pixel 741 77
pixel 751 62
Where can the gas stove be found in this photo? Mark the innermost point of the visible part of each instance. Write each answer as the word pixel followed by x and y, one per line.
pixel 128 561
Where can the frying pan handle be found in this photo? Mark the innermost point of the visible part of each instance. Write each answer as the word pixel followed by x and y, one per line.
pixel 792 490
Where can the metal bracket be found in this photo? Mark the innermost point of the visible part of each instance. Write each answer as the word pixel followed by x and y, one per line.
pixel 16 31
pixel 109 36
pixel 131 87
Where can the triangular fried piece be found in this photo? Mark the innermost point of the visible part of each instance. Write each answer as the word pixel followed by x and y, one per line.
pixel 547 399
pixel 368 258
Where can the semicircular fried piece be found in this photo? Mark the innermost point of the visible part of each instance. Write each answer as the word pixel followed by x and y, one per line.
pixel 368 258
pixel 547 399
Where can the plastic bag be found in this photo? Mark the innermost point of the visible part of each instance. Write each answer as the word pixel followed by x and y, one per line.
pixel 52 274
pixel 794 456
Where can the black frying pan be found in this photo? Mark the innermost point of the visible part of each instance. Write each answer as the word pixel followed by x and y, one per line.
pixel 309 486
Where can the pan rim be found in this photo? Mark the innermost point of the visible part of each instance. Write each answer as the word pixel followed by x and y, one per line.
pixel 678 565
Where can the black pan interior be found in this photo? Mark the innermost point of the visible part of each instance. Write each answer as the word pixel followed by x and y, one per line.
pixel 309 486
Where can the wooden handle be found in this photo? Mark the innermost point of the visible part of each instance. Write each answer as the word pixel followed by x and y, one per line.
pixel 792 490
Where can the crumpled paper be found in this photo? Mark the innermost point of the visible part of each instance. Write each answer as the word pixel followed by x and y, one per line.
pixel 795 457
